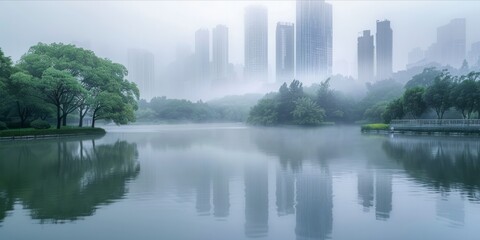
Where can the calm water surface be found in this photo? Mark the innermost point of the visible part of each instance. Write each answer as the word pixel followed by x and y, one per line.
pixel 230 181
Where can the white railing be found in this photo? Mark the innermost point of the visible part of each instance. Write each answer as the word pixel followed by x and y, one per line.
pixel 435 122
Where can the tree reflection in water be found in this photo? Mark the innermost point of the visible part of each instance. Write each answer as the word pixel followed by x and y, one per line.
pixel 442 164
pixel 64 179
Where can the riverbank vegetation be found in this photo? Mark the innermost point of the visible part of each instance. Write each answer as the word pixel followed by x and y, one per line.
pixel 51 82
pixel 436 96
pixel 51 132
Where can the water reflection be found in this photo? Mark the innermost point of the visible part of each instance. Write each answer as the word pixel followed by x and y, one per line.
pixel 314 217
pixel 383 195
pixel 285 191
pixel 256 199
pixel 269 183
pixel 63 180
pixel 221 191
pixel 365 188
pixel 443 164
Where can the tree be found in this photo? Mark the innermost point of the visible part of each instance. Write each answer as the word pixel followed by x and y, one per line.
pixel 264 113
pixel 413 102
pixel 6 69
pixel 326 98
pixel 59 88
pixel 437 96
pixel 375 112
pixel 307 112
pixel 79 63
pixel 465 94
pixel 394 110
pixel 23 89
pixel 286 100
pixel 116 98
pixel 423 79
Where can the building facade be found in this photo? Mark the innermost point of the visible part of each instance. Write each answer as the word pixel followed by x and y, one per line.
pixel 285 52
pixel 313 40
pixel 256 43
pixel 384 53
pixel 141 70
pixel 202 55
pixel 365 57
pixel 451 42
pixel 220 53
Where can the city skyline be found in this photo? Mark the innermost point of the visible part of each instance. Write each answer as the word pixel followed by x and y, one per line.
pixel 138 32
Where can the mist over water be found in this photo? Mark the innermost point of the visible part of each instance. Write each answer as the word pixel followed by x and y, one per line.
pixel 229 181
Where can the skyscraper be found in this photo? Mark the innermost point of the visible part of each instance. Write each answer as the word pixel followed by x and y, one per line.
pixel 384 45
pixel 141 70
pixel 365 56
pixel 474 54
pixel 202 55
pixel 451 42
pixel 285 62
pixel 314 40
pixel 220 53
pixel 256 43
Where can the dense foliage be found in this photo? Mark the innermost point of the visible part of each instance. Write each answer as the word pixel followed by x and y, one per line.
pixel 56 80
pixel 439 91
pixel 162 109
pixel 289 106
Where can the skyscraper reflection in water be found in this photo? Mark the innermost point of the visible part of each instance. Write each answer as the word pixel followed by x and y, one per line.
pixel 365 189
pixel 203 190
pixel 256 199
pixel 285 195
pixel 383 195
pixel 314 207
pixel 221 192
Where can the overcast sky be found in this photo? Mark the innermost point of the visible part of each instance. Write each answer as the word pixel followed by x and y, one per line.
pixel 110 27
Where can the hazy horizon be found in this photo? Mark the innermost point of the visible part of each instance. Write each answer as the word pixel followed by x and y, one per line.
pixel 110 28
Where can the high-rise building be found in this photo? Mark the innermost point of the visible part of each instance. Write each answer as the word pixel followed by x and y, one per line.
pixel 384 45
pixel 474 54
pixel 220 53
pixel 202 55
pixel 285 62
pixel 365 50
pixel 451 42
pixel 313 40
pixel 256 43
pixel 141 70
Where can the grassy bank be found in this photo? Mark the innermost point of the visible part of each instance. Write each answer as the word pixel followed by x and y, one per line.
pixel 45 132
pixel 375 126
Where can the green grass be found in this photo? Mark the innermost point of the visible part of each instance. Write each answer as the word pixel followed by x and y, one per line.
pixel 51 131
pixel 375 126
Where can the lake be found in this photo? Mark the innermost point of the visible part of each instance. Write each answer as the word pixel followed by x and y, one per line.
pixel 231 181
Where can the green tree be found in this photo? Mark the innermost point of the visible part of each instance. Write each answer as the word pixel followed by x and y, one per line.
pixel 394 110
pixel 327 100
pixel 286 100
pixel 375 112
pixel 307 112
pixel 437 96
pixel 413 102
pixel 6 69
pixel 25 102
pixel 423 79
pixel 264 113
pixel 465 94
pixel 60 89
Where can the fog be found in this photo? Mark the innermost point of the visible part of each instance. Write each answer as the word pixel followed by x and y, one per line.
pixel 167 30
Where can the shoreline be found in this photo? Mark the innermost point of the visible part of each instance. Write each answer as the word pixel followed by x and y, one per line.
pixel 32 134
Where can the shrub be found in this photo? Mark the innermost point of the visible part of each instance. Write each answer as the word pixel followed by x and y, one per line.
pixel 40 124
pixel 375 126
pixel 3 126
